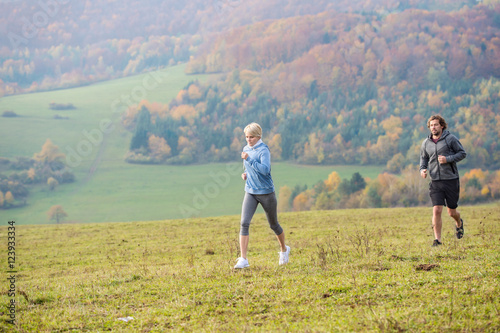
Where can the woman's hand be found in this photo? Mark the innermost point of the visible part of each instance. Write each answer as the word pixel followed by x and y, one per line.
pixel 244 176
pixel 244 155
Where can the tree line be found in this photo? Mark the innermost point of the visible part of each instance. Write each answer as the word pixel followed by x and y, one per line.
pixel 387 190
pixel 204 124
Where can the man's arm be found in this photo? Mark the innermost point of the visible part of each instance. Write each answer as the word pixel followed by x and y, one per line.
pixel 458 150
pixel 424 157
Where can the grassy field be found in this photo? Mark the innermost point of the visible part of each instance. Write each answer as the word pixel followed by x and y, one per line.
pixel 126 192
pixel 349 271
pixel 107 189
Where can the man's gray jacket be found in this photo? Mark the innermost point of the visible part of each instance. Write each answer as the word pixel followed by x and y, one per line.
pixel 448 146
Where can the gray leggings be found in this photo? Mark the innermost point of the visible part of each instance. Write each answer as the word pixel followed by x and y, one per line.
pixel 268 202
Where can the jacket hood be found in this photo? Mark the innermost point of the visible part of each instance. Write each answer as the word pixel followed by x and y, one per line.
pixel 259 144
pixel 443 135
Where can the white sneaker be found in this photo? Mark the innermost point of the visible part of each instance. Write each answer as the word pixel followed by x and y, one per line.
pixel 242 263
pixel 284 256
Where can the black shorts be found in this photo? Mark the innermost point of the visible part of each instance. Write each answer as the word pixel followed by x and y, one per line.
pixel 445 193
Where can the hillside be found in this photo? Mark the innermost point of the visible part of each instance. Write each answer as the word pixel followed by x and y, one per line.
pixel 349 271
pixel 341 85
pixel 334 82
pixel 90 142
pixel 337 88
pixel 53 45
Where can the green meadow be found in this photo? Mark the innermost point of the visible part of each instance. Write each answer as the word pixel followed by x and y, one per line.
pixel 107 189
pixel 365 270
pixel 121 192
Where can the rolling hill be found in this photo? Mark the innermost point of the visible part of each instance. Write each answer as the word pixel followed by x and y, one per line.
pixel 106 188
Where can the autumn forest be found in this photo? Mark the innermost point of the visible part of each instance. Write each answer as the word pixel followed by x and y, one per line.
pixel 335 88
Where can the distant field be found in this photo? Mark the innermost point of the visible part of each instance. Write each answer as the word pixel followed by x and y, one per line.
pixel 102 101
pixel 364 270
pixel 119 191
pixel 108 189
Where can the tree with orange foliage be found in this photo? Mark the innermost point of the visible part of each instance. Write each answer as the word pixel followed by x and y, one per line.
pixel 275 147
pixel 284 199
pixel 301 202
pixel 333 181
pixel 185 111
pixel 159 149
pixel 194 92
pixel 52 183
pixel 387 144
pixel 494 185
pixel 56 213
pixel 9 198
pixel 236 145
pixel 389 189
pixel 49 153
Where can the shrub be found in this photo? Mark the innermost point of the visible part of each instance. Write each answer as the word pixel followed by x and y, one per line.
pixel 61 106
pixel 9 114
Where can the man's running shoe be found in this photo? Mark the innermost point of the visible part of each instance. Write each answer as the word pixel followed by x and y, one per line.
pixel 460 231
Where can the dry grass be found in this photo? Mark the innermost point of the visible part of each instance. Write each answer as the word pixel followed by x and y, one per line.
pixel 350 270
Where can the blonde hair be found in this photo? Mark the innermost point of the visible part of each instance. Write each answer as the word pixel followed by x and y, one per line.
pixel 253 129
